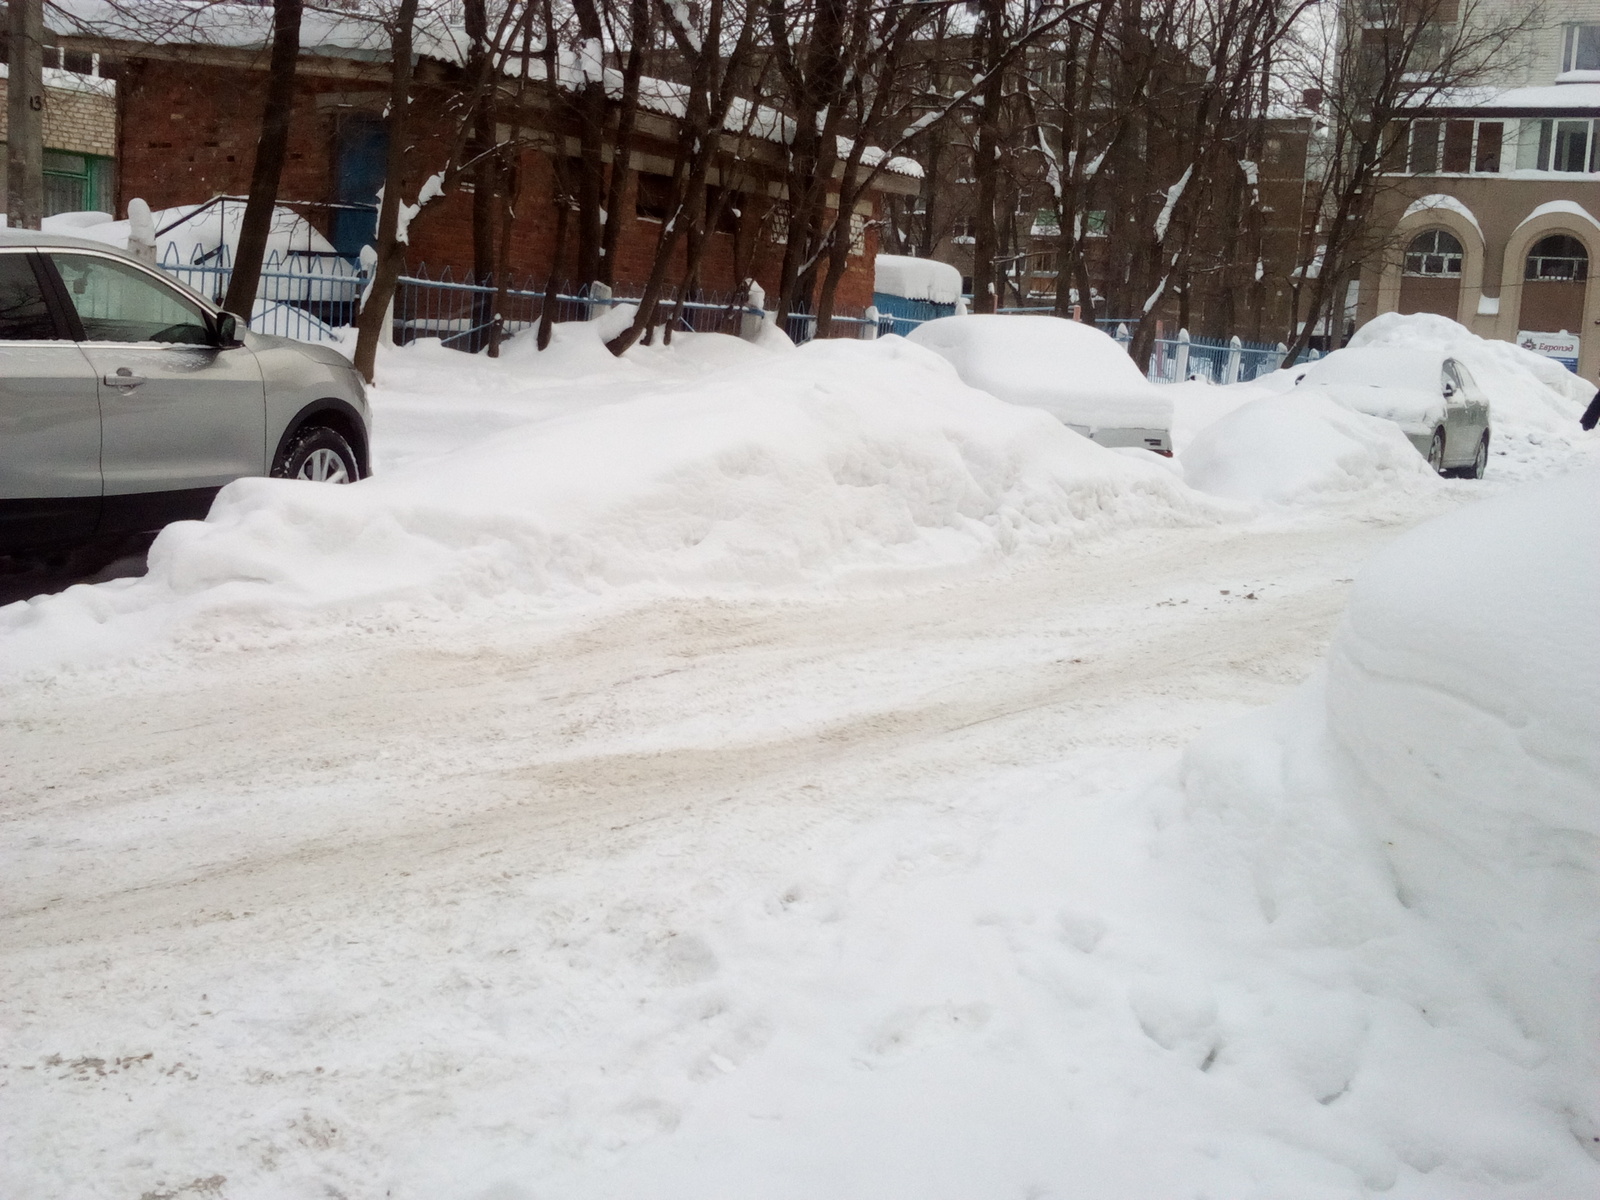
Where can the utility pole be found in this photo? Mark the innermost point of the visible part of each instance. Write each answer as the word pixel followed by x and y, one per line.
pixel 25 110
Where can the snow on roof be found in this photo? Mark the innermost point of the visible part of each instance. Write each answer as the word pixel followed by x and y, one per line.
pixel 917 279
pixel 1569 207
pixel 247 27
pixel 1575 90
pixel 363 36
pixel 57 80
pixel 1441 201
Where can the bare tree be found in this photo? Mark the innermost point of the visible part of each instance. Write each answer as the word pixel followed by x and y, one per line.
pixel 386 269
pixel 1376 67
pixel 715 45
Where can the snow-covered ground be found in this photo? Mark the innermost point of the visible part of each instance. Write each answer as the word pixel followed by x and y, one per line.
pixel 740 771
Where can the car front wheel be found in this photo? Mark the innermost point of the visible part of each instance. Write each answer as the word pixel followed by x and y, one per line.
pixel 319 454
pixel 1436 452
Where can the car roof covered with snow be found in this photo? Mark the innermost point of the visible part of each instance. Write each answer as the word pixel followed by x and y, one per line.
pixel 1418 367
pixel 1400 384
pixel 1070 369
pixel 33 237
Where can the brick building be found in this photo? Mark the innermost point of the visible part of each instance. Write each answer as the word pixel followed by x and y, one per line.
pixel 188 112
pixel 80 133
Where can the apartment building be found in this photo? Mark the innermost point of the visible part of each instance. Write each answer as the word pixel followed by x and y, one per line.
pixel 1491 214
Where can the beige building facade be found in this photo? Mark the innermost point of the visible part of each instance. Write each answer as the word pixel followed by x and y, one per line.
pixel 1494 220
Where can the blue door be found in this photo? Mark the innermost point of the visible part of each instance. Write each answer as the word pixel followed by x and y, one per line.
pixel 361 151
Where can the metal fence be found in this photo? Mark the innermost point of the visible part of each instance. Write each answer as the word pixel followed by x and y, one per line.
pixel 1172 360
pixel 315 298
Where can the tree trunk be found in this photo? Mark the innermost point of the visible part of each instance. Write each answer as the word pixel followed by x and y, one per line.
pixel 386 272
pixel 272 148
pixel 484 170
pixel 986 163
pixel 25 109
pixel 622 149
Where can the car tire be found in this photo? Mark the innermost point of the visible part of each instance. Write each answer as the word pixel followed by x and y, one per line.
pixel 1436 452
pixel 1480 462
pixel 317 454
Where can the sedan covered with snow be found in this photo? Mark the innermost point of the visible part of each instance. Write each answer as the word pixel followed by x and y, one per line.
pixel 1069 369
pixel 1430 395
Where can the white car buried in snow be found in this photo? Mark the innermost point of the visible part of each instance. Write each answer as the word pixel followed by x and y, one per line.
pixel 1069 369
pixel 1430 395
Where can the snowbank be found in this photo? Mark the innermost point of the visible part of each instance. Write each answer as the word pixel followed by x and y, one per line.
pixel 1070 369
pixel 1299 448
pixel 1475 727
pixel 917 279
pixel 1526 391
pixel 1396 875
pixel 840 460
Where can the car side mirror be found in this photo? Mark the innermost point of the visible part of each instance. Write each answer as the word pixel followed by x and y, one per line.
pixel 1449 390
pixel 227 331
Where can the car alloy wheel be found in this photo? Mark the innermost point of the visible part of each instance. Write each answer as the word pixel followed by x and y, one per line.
pixel 319 455
pixel 1436 452
pixel 323 466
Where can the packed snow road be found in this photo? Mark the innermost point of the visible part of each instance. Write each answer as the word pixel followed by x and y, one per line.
pixel 775 791
pixel 281 774
pixel 294 878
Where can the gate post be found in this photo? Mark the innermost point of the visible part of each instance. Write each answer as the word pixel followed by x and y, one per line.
pixel 1182 371
pixel 1235 353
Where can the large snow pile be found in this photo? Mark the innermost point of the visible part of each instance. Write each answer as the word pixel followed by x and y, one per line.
pixel 1526 390
pixel 1067 368
pixel 917 278
pixel 1465 688
pixel 1292 448
pixel 1396 876
pixel 851 458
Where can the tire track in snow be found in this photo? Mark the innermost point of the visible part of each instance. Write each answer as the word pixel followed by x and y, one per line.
pixel 565 744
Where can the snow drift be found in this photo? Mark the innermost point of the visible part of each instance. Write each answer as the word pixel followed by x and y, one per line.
pixel 1301 448
pixel 855 459
pixel 1398 871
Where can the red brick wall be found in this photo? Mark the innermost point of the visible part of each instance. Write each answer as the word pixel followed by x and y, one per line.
pixel 187 133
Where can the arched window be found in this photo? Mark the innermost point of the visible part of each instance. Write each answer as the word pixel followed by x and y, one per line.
pixel 1435 253
pixel 1559 256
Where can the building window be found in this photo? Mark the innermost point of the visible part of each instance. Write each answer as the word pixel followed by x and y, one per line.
pixel 1096 224
pixel 1486 155
pixel 1559 256
pixel 1423 158
pixel 1436 254
pixel 77 183
pixel 1581 49
pixel 1557 146
pixel 1454 147
pixel 653 197
pixel 963 229
pixel 727 217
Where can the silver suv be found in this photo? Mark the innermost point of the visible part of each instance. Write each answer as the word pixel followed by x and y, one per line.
pixel 126 400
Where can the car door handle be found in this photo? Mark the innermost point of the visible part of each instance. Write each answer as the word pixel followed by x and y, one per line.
pixel 123 378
